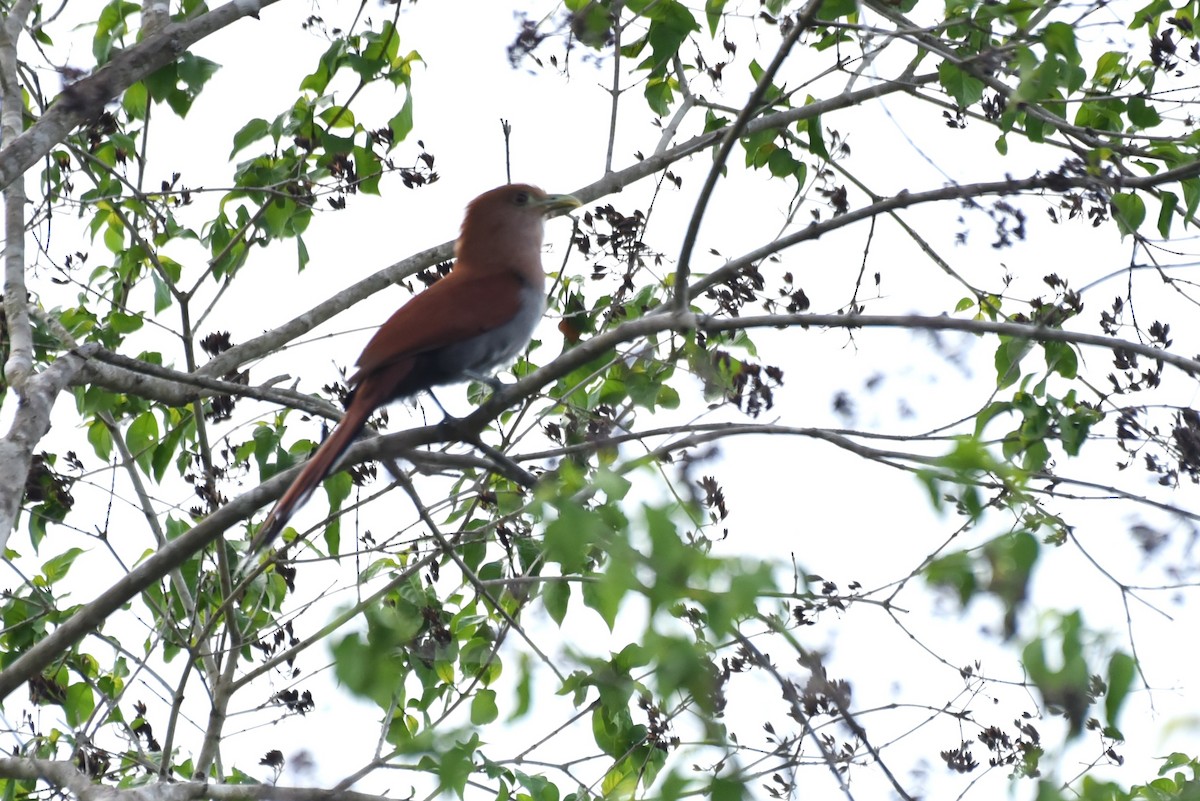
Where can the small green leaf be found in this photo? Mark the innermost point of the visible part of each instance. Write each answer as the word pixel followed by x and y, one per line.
pixel 781 163
pixel 604 594
pixel 57 568
pixel 402 124
pixel 483 707
pixel 134 101
pixel 816 137
pixel 195 71
pixel 965 89
pixel 1059 38
pixel 165 452
pixel 1121 670
pixel 1191 195
pixel 659 95
pixel 1166 213
pixel 1141 113
pixel 670 24
pixel 100 438
pixel 79 704
pixel 250 132
pixel 953 572
pixel 122 323
pixel 1129 210
pixel 1008 360
pixel 141 438
pixel 1061 358
pixel 337 488
pixel 712 10
pixel 556 595
pixel 727 790
pixel 835 9
pixel 668 397
pixel 114 238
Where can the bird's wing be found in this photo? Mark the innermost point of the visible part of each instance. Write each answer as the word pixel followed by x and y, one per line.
pixel 456 308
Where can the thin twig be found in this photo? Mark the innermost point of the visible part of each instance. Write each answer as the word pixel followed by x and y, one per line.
pixel 728 140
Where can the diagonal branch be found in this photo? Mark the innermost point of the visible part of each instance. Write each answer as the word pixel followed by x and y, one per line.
pixel 86 98
pixel 729 138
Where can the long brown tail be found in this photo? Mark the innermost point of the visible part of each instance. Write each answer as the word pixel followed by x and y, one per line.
pixel 369 396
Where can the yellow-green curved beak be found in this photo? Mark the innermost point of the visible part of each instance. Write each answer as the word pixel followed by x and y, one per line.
pixel 551 204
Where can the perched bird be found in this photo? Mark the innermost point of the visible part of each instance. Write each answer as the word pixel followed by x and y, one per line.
pixel 477 317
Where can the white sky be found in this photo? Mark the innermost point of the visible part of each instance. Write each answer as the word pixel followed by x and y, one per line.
pixel 842 518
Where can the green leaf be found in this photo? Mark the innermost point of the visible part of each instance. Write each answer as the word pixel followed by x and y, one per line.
pixel 953 572
pixel 712 10
pixel 122 323
pixel 816 135
pixel 1008 360
pixel 195 71
pixel 668 397
pixel 1059 38
pixel 327 66
pixel 726 790
pixel 570 536
pixel 162 293
pixel 111 28
pixel 100 438
pixel 165 452
pixel 1011 559
pixel 483 707
pixel 1129 210
pixel 141 438
pixel 134 101
pixel 556 595
pixel 337 488
pixel 670 24
pixel 1121 670
pixel 250 132
pixel 659 94
pixel 1141 113
pixel 1149 15
pixel 1191 196
pixel 114 238
pixel 1061 358
pixel 964 88
pixel 604 594
pixel 1110 69
pixel 402 124
pixel 79 704
pixel 57 567
pixel 383 45
pixel 1166 213
pixel 835 9
pixel 781 163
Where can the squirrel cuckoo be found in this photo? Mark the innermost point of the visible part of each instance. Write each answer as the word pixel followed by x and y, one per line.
pixel 480 315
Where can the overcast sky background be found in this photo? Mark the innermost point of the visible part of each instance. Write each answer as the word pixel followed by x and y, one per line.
pixel 841 518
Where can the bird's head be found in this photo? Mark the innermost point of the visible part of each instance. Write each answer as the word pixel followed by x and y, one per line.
pixel 507 220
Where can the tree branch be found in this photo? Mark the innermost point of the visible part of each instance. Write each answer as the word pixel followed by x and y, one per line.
pixel 65 776
pixel 83 100
pixel 19 365
pixel 729 138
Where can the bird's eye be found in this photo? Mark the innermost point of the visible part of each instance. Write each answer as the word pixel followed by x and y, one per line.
pixel 521 198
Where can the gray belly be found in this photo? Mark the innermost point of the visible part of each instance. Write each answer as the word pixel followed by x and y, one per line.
pixel 480 354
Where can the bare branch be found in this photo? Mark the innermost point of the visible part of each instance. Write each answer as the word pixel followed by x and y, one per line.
pixel 19 365
pixel 729 138
pixel 84 99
